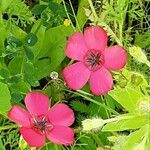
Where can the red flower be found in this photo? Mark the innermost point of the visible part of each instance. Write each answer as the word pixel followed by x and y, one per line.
pixel 41 122
pixel 94 60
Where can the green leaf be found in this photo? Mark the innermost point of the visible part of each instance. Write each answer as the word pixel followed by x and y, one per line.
pixel 29 74
pixel 81 16
pixel 31 39
pixel 40 69
pixel 137 140
pixel 143 39
pixel 15 65
pixel 4 73
pixel 29 53
pixel 139 55
pixel 20 87
pixel 126 122
pixel 80 107
pixel 127 97
pixel 4 4
pixel 14 41
pixel 38 9
pixel 4 99
pixel 39 30
pixel 54 44
pixel 1 145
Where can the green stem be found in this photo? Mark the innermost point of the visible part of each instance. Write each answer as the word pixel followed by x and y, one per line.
pixel 74 15
pixel 8 127
pixel 68 15
pixel 93 11
pixel 37 29
pixel 97 139
pixel 94 101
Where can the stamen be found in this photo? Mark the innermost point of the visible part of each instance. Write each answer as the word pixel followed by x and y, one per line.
pixel 41 124
pixel 93 60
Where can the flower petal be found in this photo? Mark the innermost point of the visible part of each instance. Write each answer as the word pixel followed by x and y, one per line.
pixel 95 38
pixel 37 103
pixel 76 47
pixel 61 114
pixel 76 75
pixel 33 138
pixel 61 135
pixel 101 81
pixel 19 116
pixel 115 57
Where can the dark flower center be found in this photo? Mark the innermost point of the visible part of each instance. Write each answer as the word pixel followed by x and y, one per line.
pixel 93 59
pixel 41 124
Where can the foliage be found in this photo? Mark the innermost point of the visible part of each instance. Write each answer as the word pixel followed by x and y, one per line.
pixel 33 36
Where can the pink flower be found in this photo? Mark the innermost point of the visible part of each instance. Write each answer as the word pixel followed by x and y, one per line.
pixel 41 122
pixel 94 60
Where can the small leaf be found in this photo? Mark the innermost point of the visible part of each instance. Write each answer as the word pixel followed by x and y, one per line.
pixel 4 99
pixel 29 53
pixel 31 39
pixel 127 97
pixel 126 122
pixel 138 54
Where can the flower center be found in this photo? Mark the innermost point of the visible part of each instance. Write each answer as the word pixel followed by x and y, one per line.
pixel 41 124
pixel 93 59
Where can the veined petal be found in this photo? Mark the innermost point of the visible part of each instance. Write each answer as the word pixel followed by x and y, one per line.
pixel 33 138
pixel 37 103
pixel 115 57
pixel 101 81
pixel 76 47
pixel 61 114
pixel 61 135
pixel 95 38
pixel 76 75
pixel 19 116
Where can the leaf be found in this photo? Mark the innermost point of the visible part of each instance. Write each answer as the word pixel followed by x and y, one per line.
pixel 127 97
pixel 29 74
pixel 20 87
pixel 38 9
pixel 137 139
pixel 80 107
pixel 126 122
pixel 42 68
pixel 28 52
pixel 4 99
pixel 138 54
pixel 143 39
pixel 1 145
pixel 54 44
pixel 31 39
pixel 81 16
pixel 39 30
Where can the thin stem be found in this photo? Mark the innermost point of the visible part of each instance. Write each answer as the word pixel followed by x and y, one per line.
pixel 37 29
pixel 97 139
pixel 68 15
pixel 94 101
pixel 8 127
pixel 74 15
pixel 93 11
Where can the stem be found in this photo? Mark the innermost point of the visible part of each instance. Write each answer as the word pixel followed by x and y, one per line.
pixel 97 139
pixel 8 127
pixel 68 15
pixel 120 33
pixel 37 29
pixel 93 11
pixel 74 15
pixel 94 101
